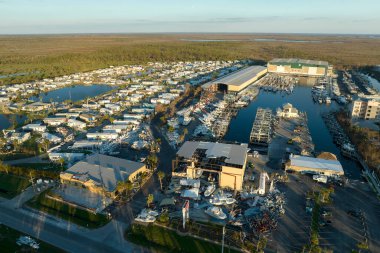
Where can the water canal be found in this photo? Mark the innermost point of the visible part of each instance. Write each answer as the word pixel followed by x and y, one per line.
pixel 5 120
pixel 241 125
pixel 73 93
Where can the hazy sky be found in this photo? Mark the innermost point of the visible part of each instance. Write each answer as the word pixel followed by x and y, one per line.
pixel 139 16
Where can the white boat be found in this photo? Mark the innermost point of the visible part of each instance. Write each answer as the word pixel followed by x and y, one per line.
pixel 241 103
pixel 27 240
pixel 216 201
pixel 222 200
pixel 145 218
pixel 348 150
pixel 186 121
pixel 210 189
pixel 229 201
pixel 328 100
pixel 216 212
pixel 150 212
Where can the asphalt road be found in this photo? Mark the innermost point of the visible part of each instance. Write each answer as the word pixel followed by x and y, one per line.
pixel 62 234
pixel 128 211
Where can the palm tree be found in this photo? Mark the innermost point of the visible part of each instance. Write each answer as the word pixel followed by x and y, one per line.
pixel 160 175
pixel 149 199
pixel 61 161
pixel 13 121
pixel 44 145
pixel 128 186
pixel 120 187
pixel 151 161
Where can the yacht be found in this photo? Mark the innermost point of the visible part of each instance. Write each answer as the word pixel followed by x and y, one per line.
pixel 216 212
pixel 210 189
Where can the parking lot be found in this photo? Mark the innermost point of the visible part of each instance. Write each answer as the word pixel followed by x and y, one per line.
pixel 347 230
pixel 293 228
pixel 352 218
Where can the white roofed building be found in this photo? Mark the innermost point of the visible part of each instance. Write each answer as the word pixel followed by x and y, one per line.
pixel 306 164
pixel 288 111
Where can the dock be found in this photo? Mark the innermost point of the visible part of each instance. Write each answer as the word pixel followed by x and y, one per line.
pixel 274 82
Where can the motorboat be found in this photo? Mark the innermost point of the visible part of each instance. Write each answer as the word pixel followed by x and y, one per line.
pixel 237 223
pixel 348 150
pixel 210 189
pixel 216 212
pixel 27 240
pixel 216 201
pixel 229 201
pixel 146 218
pixel 150 212
pixel 219 200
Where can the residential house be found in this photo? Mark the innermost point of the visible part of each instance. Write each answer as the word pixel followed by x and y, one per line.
pixel 35 128
pixel 102 136
pixel 19 137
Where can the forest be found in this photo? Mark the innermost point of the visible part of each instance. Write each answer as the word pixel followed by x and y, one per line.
pixel 24 58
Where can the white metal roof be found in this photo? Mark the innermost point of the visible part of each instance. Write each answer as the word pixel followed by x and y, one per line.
pixel 239 77
pixel 316 163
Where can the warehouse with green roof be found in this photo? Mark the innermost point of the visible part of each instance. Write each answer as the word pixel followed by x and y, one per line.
pixel 299 67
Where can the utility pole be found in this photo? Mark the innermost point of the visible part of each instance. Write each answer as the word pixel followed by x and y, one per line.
pixel 224 233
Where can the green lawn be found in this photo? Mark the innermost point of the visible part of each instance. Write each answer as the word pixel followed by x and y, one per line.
pixel 166 240
pixel 11 186
pixel 70 213
pixel 8 237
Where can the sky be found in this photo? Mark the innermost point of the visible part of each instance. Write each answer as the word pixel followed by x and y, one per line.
pixel 189 16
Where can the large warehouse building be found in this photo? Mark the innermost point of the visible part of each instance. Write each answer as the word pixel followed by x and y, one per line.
pixel 238 80
pixel 299 67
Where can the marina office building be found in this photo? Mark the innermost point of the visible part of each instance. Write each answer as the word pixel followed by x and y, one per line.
pixel 237 81
pixel 299 67
pixel 224 162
